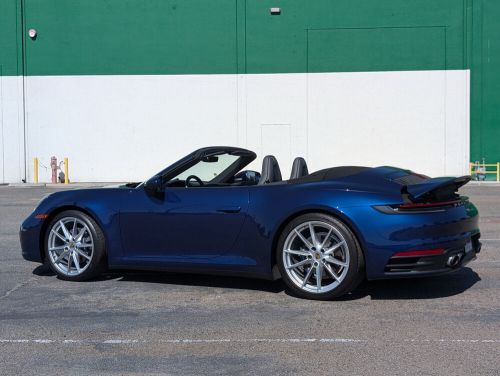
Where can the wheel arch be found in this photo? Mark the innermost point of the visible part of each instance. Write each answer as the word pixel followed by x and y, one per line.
pixel 57 211
pixel 321 210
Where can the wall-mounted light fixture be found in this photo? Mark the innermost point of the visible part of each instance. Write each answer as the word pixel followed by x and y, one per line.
pixel 32 33
pixel 275 11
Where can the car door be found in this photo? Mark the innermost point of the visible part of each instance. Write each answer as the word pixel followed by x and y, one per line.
pixel 187 224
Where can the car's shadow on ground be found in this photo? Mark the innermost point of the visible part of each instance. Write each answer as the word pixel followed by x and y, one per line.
pixel 414 288
pixel 182 279
pixel 417 288
pixel 203 280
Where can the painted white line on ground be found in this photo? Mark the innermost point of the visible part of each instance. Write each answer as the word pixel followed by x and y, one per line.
pixel 489 240
pixel 454 340
pixel 341 340
pixel 228 340
pixel 184 341
pixel 120 341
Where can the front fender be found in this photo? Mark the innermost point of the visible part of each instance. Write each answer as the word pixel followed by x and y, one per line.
pixel 100 204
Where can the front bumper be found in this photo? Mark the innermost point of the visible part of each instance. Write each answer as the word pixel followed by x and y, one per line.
pixel 29 236
pixel 455 256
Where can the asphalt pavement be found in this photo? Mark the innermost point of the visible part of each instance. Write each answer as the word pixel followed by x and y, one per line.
pixel 137 323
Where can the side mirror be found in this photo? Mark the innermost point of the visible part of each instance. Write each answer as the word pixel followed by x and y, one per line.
pixel 154 187
pixel 248 177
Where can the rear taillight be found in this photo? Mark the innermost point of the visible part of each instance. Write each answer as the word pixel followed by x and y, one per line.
pixel 415 205
pixel 419 207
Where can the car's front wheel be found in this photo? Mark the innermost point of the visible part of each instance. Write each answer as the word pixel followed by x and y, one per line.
pixel 319 257
pixel 75 246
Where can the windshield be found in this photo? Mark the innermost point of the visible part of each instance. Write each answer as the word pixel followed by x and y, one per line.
pixel 208 168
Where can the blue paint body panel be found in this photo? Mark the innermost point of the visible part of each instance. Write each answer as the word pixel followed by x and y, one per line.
pixel 234 229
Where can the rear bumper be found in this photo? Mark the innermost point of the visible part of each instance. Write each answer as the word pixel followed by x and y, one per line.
pixel 384 235
pixel 455 256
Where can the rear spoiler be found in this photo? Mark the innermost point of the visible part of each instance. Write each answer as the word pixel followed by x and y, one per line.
pixel 435 187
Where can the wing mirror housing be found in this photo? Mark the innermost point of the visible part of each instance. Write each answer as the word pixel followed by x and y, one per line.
pixel 154 187
pixel 248 177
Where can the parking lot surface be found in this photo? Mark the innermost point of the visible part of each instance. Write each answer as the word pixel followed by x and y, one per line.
pixel 134 323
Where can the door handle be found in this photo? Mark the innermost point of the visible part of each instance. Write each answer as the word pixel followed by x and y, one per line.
pixel 229 209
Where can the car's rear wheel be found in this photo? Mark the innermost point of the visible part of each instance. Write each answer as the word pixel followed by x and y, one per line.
pixel 75 246
pixel 319 257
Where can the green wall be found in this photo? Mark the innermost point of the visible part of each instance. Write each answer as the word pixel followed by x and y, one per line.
pixel 10 44
pixel 366 32
pixel 485 81
pixel 377 49
pixel 83 37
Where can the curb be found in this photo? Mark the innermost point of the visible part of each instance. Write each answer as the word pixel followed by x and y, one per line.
pixel 58 186
pixel 485 183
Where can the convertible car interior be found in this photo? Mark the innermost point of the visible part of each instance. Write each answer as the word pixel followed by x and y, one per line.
pixel 223 168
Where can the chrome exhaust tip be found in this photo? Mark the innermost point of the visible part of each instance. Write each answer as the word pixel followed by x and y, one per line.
pixel 454 260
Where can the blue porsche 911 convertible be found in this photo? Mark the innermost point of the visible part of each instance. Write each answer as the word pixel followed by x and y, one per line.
pixel 322 232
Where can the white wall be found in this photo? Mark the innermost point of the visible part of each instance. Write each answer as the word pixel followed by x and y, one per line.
pixel 413 119
pixel 126 128
pixel 11 129
pixel 417 120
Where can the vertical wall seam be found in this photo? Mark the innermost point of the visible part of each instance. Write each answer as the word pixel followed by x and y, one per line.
pixel 242 125
pixel 467 102
pixel 307 93
pixel 245 28
pixel 237 35
pixel 245 72
pixel 24 73
pixel 464 34
pixel 1 124
pixel 445 102
pixel 467 119
pixel 481 79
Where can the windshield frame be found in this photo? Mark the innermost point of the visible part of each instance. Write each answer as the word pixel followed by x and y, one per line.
pixel 245 158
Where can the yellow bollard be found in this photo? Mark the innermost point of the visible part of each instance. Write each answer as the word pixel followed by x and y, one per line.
pixel 66 178
pixel 35 170
pixel 498 171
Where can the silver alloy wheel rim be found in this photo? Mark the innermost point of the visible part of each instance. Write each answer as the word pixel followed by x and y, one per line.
pixel 70 246
pixel 316 257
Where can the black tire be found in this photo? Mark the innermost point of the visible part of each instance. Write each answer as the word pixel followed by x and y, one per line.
pixel 355 271
pixel 98 262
